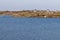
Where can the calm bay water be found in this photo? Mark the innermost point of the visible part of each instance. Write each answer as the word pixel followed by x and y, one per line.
pixel 12 28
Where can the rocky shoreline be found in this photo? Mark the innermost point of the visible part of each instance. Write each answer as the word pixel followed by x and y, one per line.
pixel 32 13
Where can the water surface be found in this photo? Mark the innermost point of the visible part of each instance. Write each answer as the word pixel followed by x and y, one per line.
pixel 12 28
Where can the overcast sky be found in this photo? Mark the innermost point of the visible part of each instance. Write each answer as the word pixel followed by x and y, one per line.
pixel 29 4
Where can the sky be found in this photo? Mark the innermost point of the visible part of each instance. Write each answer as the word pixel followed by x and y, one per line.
pixel 29 4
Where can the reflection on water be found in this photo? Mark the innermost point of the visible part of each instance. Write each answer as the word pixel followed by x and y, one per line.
pixel 29 28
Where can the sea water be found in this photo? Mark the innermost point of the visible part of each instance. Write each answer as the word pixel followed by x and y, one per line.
pixel 18 28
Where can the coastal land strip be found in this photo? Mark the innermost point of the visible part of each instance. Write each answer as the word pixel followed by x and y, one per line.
pixel 32 13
